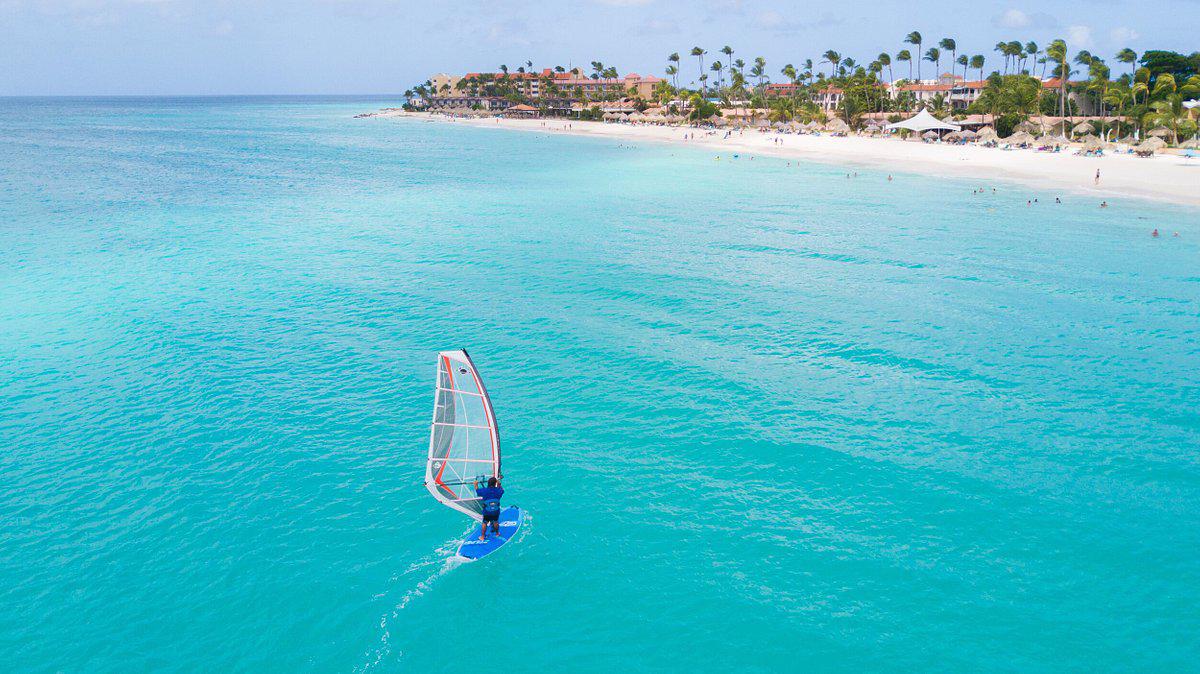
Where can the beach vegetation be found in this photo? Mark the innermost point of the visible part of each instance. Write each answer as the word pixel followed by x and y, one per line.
pixel 1028 82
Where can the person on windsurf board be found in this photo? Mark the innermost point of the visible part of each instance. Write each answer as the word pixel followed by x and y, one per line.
pixel 490 497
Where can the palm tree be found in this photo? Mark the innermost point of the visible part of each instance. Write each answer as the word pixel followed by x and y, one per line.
pixel 1002 47
pixel 1141 85
pixel 977 61
pixel 1117 97
pixel 832 58
pixel 673 59
pixel 673 73
pixel 962 60
pixel 934 56
pixel 597 70
pixel 914 38
pixel 789 71
pixel 699 54
pixel 737 81
pixel 1098 82
pixel 1016 50
pixel 950 45
pixel 504 69
pixel 848 66
pixel 1057 52
pixel 885 60
pixel 904 55
pixel 1032 51
pixel 1129 56
pixel 728 52
pixel 717 67
pixel 760 69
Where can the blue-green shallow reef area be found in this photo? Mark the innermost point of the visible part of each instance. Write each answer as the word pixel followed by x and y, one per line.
pixel 763 417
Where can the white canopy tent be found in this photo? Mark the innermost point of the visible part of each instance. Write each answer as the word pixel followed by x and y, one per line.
pixel 923 121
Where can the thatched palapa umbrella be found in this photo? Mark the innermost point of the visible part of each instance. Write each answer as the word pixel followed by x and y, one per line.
pixel 986 135
pixel 1091 142
pixel 1148 147
pixel 1020 138
pixel 1083 127
pixel 837 125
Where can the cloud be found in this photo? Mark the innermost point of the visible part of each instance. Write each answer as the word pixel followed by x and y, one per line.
pixel 1123 34
pixel 780 24
pixel 1013 18
pixel 1079 36
pixel 1017 19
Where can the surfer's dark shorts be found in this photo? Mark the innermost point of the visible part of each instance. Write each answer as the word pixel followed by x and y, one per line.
pixel 491 517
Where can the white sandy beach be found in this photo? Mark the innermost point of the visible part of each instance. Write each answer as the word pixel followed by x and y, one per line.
pixel 1165 177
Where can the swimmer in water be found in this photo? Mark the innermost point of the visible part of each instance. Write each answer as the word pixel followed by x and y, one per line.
pixel 1154 233
pixel 1103 204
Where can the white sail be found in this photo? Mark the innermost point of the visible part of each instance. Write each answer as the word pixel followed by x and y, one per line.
pixel 464 442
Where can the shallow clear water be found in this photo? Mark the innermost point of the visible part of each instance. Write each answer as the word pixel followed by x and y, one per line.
pixel 764 417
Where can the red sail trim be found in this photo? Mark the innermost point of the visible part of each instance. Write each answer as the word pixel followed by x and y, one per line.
pixel 438 478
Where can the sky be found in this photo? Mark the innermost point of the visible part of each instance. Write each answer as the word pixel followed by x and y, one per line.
pixel 214 47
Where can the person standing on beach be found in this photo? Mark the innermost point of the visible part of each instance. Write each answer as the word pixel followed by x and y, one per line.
pixel 1097 176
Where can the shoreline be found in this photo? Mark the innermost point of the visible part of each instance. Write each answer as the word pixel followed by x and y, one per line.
pixel 1169 178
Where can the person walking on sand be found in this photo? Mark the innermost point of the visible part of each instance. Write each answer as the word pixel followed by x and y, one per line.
pixel 1097 176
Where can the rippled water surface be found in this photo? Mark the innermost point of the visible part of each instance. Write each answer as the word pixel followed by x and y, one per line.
pixel 764 416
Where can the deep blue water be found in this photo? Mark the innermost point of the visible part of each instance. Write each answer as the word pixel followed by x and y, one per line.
pixel 764 417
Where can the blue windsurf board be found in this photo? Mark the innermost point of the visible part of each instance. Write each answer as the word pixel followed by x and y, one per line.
pixel 472 548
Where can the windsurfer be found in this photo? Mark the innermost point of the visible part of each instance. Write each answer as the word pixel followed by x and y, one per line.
pixel 490 495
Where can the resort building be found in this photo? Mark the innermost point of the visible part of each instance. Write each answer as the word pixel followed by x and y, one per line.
pixel 781 90
pixel 465 101
pixel 925 91
pixel 958 93
pixel 571 85
pixel 828 98
pixel 443 83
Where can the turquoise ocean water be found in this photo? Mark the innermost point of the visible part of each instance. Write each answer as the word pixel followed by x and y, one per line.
pixel 764 417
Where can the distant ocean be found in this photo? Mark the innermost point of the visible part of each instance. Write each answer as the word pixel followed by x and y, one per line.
pixel 765 417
